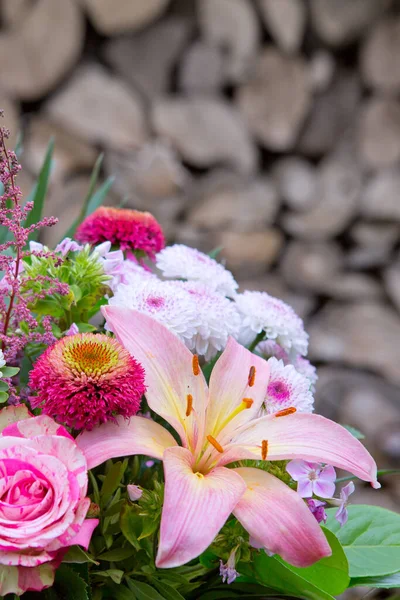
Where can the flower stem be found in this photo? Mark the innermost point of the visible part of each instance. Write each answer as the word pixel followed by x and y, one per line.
pixel 259 338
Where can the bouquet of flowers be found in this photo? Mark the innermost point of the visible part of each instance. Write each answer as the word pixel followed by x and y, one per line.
pixel 158 440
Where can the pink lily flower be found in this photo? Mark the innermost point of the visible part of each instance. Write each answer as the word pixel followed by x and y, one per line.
pixel 217 426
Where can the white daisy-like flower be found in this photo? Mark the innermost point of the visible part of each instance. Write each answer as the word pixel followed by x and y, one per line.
pixel 2 362
pixel 304 367
pixel 181 262
pixel 162 300
pixel 262 312
pixel 269 349
pixel 218 316
pixel 287 388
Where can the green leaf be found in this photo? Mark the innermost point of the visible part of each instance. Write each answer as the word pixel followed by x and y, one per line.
pixel 76 554
pixel 386 581
pixel 278 575
pixel 214 253
pixel 357 434
pixel 93 199
pixel 9 371
pixel 97 199
pixel 3 386
pixel 92 186
pixel 77 292
pixel 330 574
pixel 168 591
pixel 112 481
pixel 117 554
pixel 69 585
pixel 38 194
pixel 143 591
pixel 115 574
pixel 3 397
pixel 119 592
pixel 370 539
pixel 86 327
pixel 131 523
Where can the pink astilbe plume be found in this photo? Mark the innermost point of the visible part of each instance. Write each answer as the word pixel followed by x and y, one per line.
pixel 130 230
pixel 14 303
pixel 86 379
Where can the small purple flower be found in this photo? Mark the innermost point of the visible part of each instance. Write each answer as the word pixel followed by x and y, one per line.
pixel 67 245
pixel 134 492
pixel 227 571
pixel 312 478
pixel 342 514
pixel 149 463
pixel 73 330
pixel 317 509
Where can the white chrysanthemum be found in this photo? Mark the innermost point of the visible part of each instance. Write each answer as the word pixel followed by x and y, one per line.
pixel 2 362
pixel 218 316
pixel 262 312
pixel 287 388
pixel 181 262
pixel 304 367
pixel 269 349
pixel 162 300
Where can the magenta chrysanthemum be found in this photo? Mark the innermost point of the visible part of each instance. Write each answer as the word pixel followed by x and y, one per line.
pixel 130 230
pixel 86 379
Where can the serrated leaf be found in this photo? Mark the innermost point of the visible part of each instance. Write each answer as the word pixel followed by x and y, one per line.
pixel 386 581
pixel 143 591
pixel 117 554
pixel 370 539
pixel 38 194
pixel 69 585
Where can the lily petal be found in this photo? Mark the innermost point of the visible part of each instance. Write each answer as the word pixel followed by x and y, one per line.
pixel 124 438
pixel 238 386
pixel 299 435
pixel 195 508
pixel 169 370
pixel 279 519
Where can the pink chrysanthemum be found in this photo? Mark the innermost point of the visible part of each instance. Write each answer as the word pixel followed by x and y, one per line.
pixel 86 379
pixel 287 388
pixel 131 230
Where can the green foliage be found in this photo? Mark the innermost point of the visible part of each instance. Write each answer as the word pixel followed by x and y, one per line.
pixel 6 372
pixel 319 582
pixel 87 282
pixel 370 539
pixel 385 581
pixel 93 198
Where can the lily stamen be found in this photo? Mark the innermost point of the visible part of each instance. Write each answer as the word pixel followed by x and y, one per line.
pixel 264 449
pixel 248 402
pixel 252 376
pixel 214 443
pixel 195 365
pixel 285 411
pixel 189 405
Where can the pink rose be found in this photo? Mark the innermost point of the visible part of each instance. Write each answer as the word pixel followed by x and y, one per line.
pixel 43 504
